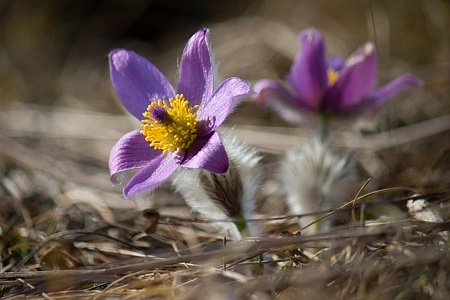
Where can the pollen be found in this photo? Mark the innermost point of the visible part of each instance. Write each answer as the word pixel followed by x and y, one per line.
pixel 332 76
pixel 170 126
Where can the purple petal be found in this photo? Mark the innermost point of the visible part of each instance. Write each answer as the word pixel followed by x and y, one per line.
pixel 207 153
pixel 225 98
pixel 394 87
pixel 137 81
pixel 196 81
pixel 308 75
pixel 130 152
pixel 355 81
pixel 271 94
pixel 153 174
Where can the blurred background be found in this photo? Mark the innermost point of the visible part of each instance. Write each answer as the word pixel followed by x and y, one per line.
pixel 59 116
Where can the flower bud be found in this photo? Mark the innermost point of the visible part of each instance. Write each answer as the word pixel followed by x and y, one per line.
pixel 228 195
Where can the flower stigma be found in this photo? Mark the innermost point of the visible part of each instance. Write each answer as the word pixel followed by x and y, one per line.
pixel 170 126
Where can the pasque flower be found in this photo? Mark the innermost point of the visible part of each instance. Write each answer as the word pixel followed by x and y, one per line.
pixel 178 127
pixel 334 88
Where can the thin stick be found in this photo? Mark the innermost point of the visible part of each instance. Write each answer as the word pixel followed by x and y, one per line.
pixel 373 23
pixel 356 197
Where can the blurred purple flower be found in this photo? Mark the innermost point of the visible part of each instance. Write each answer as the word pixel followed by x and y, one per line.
pixel 178 127
pixel 329 88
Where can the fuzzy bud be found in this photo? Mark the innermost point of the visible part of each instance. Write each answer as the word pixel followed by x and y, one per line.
pixel 315 179
pixel 224 196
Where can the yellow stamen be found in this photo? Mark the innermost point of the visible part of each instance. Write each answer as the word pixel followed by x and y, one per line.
pixel 177 132
pixel 332 76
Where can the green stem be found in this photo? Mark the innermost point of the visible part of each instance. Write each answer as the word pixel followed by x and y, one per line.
pixel 324 127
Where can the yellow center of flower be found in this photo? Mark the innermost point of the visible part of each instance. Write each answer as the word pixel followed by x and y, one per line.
pixel 332 76
pixel 170 127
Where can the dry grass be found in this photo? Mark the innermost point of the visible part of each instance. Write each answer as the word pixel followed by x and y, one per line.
pixel 67 233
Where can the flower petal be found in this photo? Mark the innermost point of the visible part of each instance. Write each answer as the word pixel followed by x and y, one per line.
pixel 308 75
pixel 355 81
pixel 394 87
pixel 223 101
pixel 130 152
pixel 196 81
pixel 153 174
pixel 137 81
pixel 271 94
pixel 207 153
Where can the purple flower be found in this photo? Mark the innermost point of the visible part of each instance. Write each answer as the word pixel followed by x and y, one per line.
pixel 329 88
pixel 178 127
